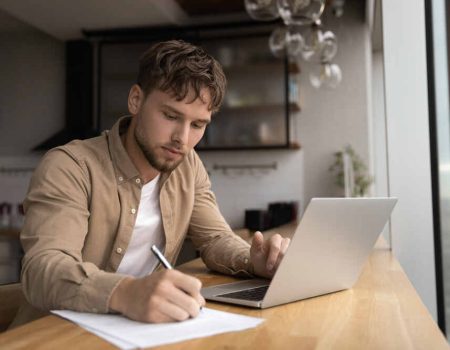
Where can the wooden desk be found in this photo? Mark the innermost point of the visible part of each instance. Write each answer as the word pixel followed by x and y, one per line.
pixel 382 311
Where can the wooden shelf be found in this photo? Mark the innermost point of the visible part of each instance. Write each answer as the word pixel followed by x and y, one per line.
pixel 252 69
pixel 249 68
pixel 263 67
pixel 294 68
pixel 291 146
pixel 295 145
pixel 12 233
pixel 293 107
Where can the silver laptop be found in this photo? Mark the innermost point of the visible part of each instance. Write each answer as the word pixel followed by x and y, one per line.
pixel 326 254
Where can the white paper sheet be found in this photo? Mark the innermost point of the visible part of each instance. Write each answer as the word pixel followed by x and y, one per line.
pixel 128 334
pixel 112 339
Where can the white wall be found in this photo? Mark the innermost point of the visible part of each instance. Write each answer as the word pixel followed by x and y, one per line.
pixel 379 125
pixel 32 86
pixel 237 190
pixel 330 119
pixel 379 159
pixel 408 143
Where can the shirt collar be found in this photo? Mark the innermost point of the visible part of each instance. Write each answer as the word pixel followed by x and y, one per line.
pixel 123 165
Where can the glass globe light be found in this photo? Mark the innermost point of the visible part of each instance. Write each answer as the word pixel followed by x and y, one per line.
pixel 294 41
pixel 286 40
pixel 326 75
pixel 338 8
pixel 277 41
pixel 319 46
pixel 329 46
pixel 300 12
pixel 262 10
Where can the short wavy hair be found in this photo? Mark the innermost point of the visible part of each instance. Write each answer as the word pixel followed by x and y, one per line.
pixel 175 66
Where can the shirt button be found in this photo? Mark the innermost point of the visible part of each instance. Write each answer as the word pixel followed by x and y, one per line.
pixel 120 178
pixel 133 211
pixel 245 261
pixel 119 250
pixel 138 181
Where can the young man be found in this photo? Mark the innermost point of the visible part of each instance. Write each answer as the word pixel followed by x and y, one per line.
pixel 95 207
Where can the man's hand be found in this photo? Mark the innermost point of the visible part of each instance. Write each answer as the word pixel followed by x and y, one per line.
pixel 266 255
pixel 163 296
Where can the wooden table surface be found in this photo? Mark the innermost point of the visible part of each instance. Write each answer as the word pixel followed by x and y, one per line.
pixel 382 311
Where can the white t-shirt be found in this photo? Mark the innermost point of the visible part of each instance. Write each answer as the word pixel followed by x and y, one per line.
pixel 138 260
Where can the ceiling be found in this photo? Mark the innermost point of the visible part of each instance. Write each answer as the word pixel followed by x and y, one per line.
pixel 65 20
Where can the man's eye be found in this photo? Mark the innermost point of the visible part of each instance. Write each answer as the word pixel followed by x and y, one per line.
pixel 171 117
pixel 197 126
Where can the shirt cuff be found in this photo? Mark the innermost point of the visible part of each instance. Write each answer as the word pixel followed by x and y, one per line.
pixel 96 290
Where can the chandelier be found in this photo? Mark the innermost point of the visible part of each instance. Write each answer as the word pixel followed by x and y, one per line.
pixel 302 35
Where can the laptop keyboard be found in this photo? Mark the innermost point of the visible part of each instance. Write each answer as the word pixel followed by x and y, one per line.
pixel 254 294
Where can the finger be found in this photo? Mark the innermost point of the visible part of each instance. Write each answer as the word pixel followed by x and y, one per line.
pixel 184 301
pixel 189 285
pixel 157 317
pixel 201 301
pixel 274 249
pixel 170 312
pixel 257 242
pixel 284 246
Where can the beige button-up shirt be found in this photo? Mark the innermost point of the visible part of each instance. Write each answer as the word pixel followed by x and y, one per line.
pixel 80 212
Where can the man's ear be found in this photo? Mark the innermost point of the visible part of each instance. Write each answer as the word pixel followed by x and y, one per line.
pixel 135 99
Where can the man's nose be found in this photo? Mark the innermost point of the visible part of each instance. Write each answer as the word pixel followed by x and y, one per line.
pixel 181 134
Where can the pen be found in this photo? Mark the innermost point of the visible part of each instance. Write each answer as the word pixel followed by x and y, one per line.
pixel 162 259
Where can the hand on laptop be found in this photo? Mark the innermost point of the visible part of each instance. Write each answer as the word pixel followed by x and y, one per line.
pixel 266 255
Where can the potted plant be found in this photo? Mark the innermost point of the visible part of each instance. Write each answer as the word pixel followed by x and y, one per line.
pixel 359 177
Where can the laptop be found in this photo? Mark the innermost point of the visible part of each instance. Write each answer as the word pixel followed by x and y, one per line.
pixel 327 253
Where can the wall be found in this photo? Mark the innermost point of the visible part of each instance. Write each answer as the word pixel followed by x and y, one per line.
pixel 379 159
pixel 331 119
pixel 31 100
pixel 237 191
pixel 408 143
pixel 31 86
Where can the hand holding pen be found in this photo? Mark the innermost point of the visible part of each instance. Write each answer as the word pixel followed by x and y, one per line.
pixel 162 259
pixel 163 296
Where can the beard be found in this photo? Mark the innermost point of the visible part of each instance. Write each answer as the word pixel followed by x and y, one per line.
pixel 150 153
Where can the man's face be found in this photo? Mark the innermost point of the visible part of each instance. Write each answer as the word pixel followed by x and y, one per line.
pixel 167 129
